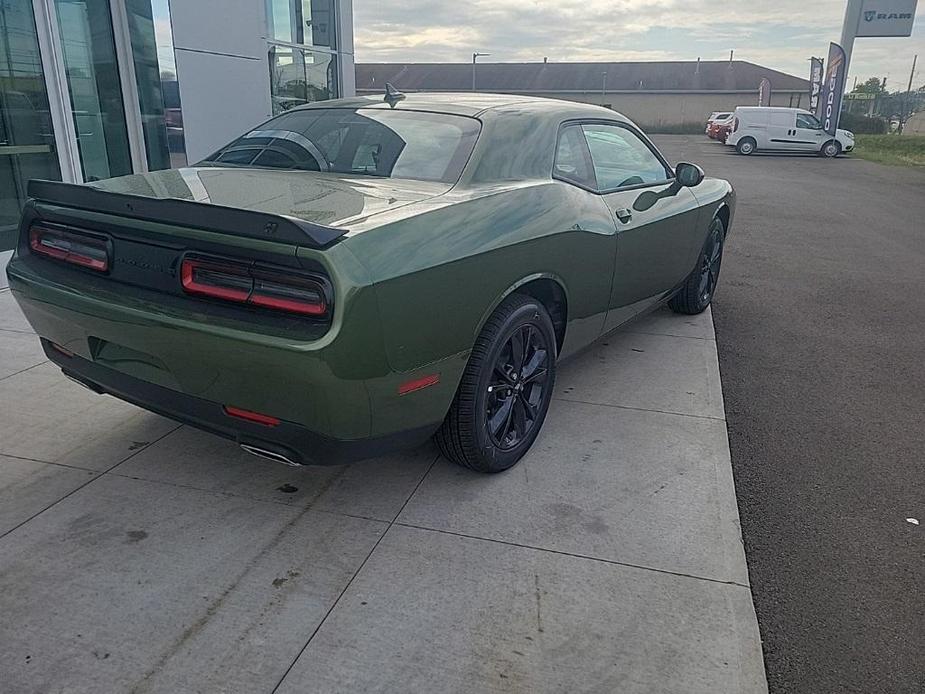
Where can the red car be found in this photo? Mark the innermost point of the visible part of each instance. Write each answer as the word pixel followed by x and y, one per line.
pixel 719 129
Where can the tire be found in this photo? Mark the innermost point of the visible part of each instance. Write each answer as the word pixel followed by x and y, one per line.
pixel 746 146
pixel 830 149
pixel 697 291
pixel 482 431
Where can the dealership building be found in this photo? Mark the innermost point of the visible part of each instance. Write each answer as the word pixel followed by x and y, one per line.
pixel 96 88
pixel 654 94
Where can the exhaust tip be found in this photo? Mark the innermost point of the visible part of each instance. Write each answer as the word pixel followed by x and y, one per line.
pixel 269 455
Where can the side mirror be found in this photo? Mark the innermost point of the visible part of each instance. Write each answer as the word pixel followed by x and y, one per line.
pixel 688 175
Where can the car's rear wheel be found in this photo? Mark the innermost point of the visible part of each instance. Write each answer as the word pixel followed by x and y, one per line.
pixel 746 145
pixel 697 292
pixel 505 390
pixel 831 149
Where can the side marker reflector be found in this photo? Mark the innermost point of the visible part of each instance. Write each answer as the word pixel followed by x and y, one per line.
pixel 418 384
pixel 249 416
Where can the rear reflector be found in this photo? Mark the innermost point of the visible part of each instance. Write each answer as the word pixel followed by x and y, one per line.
pixel 58 348
pixel 418 384
pixel 70 247
pixel 241 283
pixel 249 416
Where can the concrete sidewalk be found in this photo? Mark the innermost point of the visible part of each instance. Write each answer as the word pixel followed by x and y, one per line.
pixel 137 555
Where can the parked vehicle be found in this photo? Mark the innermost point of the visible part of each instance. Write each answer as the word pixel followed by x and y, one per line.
pixel 720 129
pixel 356 275
pixel 774 128
pixel 715 116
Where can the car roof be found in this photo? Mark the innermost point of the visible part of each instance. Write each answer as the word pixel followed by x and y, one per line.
pixel 474 104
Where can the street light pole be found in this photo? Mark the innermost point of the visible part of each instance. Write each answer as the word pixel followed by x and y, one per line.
pixel 603 87
pixel 474 57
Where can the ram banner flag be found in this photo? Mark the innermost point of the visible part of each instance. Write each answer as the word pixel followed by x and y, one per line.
pixel 887 18
pixel 833 88
pixel 764 92
pixel 815 86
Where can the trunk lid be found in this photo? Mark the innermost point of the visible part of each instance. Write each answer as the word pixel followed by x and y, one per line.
pixel 320 198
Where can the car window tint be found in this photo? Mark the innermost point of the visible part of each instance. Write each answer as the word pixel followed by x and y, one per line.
pixel 572 158
pixel 621 158
pixel 366 142
pixel 804 120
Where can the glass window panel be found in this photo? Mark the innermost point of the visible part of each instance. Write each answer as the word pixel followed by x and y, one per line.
pixel 306 22
pixel 362 142
pixel 146 19
pixel 572 162
pixel 299 77
pixel 85 27
pixel 620 158
pixel 27 144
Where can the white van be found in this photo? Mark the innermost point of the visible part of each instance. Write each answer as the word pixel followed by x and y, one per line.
pixel 774 128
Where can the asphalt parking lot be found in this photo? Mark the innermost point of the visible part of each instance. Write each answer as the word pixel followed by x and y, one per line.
pixel 820 322
pixel 137 555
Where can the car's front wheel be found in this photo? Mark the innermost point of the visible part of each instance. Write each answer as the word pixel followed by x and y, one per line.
pixel 746 145
pixel 505 390
pixel 697 292
pixel 831 149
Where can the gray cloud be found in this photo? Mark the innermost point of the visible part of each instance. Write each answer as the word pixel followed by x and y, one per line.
pixel 782 34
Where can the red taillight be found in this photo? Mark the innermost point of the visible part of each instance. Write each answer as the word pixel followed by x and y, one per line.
pixel 70 247
pixel 255 286
pixel 249 416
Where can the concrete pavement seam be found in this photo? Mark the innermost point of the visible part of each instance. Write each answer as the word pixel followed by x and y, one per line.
pixel 641 409
pixel 90 481
pixel 355 574
pixel 575 555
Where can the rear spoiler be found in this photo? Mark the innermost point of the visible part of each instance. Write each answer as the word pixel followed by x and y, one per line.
pixel 187 213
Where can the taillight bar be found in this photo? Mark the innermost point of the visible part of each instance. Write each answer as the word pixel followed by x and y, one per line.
pixel 275 288
pixel 73 247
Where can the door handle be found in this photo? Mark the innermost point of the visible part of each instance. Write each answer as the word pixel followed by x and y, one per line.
pixel 624 215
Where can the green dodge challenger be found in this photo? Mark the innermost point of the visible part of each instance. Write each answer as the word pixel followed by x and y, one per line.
pixel 358 275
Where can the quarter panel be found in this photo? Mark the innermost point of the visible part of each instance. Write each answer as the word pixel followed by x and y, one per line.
pixel 438 275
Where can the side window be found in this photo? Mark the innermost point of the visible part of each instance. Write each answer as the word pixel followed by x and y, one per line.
pixel 620 158
pixel 804 120
pixel 572 158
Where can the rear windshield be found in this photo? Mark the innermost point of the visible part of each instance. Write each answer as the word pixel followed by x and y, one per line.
pixel 363 142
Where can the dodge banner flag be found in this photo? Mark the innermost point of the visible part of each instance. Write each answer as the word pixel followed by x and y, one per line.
pixel 764 92
pixel 815 87
pixel 833 88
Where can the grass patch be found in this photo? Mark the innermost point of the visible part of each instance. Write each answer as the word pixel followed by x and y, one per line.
pixel 895 150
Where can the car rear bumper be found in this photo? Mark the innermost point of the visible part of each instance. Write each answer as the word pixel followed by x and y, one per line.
pixel 285 442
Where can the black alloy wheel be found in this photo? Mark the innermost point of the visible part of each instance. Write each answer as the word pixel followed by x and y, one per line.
pixel 517 387
pixel 505 390
pixel 710 263
pixel 697 291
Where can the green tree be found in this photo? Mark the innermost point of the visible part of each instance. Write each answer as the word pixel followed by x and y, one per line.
pixel 873 85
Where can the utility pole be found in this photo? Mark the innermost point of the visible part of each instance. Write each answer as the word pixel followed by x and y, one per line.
pixel 907 101
pixel 474 57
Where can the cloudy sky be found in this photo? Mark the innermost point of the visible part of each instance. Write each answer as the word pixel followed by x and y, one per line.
pixel 781 34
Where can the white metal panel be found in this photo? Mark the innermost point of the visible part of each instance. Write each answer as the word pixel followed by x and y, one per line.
pixel 231 27
pixel 886 18
pixel 223 97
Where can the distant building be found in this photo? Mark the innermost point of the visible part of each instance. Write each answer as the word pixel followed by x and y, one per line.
pixel 654 94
